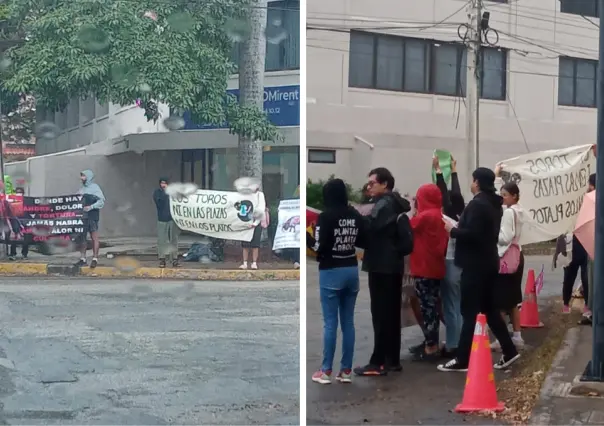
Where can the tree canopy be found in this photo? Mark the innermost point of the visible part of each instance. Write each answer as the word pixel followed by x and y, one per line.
pixel 120 51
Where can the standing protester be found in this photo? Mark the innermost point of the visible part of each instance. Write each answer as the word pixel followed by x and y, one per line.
pixel 450 290
pixel 167 231
pixel 508 287
pixel 338 231
pixel 427 264
pixel 383 260
pixel 254 244
pixel 24 244
pixel 476 237
pixel 93 201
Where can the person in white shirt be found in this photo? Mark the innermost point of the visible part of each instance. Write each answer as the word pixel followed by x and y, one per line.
pixel 508 290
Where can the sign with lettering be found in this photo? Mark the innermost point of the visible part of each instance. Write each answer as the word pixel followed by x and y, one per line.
pixel 218 214
pixel 552 185
pixel 287 234
pixel 36 220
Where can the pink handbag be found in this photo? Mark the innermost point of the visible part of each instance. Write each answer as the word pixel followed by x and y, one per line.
pixel 510 261
pixel 265 222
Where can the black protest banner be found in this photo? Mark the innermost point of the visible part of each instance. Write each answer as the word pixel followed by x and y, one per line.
pixel 36 220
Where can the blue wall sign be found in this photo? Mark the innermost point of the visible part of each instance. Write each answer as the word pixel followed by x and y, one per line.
pixel 281 104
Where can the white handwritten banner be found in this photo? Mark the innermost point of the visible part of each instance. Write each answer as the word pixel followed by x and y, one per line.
pixel 218 214
pixel 552 185
pixel 288 228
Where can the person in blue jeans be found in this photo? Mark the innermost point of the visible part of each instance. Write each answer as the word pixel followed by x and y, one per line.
pixel 453 206
pixel 338 232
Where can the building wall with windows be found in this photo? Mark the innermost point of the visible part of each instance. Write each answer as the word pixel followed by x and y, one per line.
pixel 386 83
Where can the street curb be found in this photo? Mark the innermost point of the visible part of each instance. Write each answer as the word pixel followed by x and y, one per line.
pixel 552 385
pixel 43 269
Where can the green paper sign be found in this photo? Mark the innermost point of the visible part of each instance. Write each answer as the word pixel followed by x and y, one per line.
pixel 444 160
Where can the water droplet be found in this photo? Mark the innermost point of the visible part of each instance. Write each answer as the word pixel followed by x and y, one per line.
pixel 124 207
pixel 47 130
pixel 151 15
pixel 174 122
pixel 5 63
pixel 181 22
pixel 275 34
pixel 238 30
pixel 123 75
pixel 60 245
pixel 93 39
pixel 41 230
pixel 126 264
pixel 247 185
pixel 144 87
pixel 205 259
pixel 181 189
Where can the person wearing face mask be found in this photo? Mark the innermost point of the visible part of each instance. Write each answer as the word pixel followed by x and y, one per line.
pixel 508 290
pixel 476 253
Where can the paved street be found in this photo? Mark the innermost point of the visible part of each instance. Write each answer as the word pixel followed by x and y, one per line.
pixel 148 352
pixel 418 395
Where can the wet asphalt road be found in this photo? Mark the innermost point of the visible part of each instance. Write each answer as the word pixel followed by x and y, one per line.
pixel 148 352
pixel 419 395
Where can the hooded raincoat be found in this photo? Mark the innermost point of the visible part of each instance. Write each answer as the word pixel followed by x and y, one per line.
pixel 93 195
pixel 429 235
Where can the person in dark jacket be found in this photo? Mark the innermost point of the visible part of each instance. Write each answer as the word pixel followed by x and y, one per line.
pixel 476 236
pixel 383 260
pixel 339 230
pixel 167 231
pixel 26 238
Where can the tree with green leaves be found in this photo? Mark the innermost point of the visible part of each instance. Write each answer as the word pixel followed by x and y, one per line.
pixel 174 52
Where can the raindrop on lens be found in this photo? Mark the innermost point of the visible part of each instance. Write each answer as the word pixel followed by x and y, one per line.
pixel 247 185
pixel 181 22
pixel 126 264
pixel 47 130
pixel 60 245
pixel 5 63
pixel 238 30
pixel 93 39
pixel 205 259
pixel 123 74
pixel 174 122
pixel 181 189
pixel 41 230
pixel 144 87
pixel 124 207
pixel 275 33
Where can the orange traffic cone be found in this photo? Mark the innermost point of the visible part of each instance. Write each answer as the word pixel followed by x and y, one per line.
pixel 529 314
pixel 480 393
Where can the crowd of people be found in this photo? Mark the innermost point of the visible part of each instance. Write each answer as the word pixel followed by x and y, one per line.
pixel 464 259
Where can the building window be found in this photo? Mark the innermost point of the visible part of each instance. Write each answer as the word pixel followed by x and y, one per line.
pixel 322 156
pixel 423 66
pixel 580 7
pixel 283 37
pixel 577 82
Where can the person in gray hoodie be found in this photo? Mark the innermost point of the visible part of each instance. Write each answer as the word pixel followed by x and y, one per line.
pixel 93 200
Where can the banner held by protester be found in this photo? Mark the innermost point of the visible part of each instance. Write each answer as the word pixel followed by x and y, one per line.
pixel 552 184
pixel 287 234
pixel 218 214
pixel 37 220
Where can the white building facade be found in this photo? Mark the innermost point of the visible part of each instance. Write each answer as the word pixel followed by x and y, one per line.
pixel 384 80
pixel 128 154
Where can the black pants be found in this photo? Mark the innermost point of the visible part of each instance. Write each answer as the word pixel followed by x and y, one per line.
pixel 24 249
pixel 385 291
pixel 570 276
pixel 478 296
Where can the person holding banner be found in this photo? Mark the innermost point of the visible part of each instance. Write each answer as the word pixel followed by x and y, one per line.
pixel 339 230
pixel 476 236
pixel 24 244
pixel 167 231
pixel 254 244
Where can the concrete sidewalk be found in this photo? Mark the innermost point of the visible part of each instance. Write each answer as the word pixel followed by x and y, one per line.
pixel 563 399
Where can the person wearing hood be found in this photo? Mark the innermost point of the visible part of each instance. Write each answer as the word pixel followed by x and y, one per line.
pixel 93 201
pixel 383 260
pixel 167 231
pixel 508 291
pixel 339 230
pixel 427 264
pixel 476 253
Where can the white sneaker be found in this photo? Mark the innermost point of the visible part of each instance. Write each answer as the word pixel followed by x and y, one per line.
pixel 296 265
pixel 243 265
pixel 254 265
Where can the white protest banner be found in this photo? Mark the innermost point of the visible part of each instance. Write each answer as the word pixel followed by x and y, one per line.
pixel 552 185
pixel 218 214
pixel 288 227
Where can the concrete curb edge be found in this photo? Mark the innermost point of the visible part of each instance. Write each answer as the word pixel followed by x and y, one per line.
pixel 66 270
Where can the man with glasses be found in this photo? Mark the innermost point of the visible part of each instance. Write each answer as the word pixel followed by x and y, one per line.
pixel 383 260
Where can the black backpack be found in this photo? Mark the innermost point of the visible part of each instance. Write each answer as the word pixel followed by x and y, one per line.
pixel 405 235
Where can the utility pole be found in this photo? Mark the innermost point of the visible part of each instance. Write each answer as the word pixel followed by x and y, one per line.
pixel 594 372
pixel 252 58
pixel 473 42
